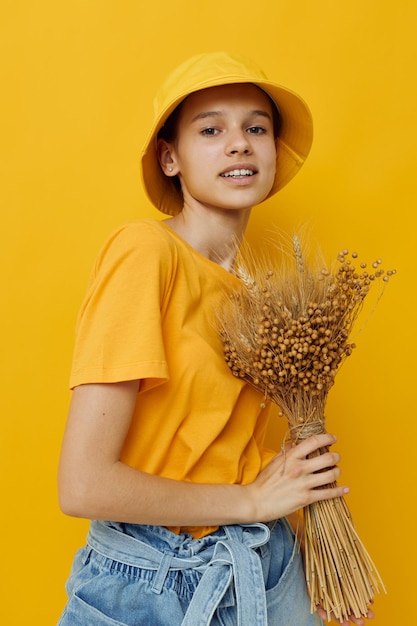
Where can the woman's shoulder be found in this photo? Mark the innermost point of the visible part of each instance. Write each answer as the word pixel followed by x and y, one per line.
pixel 139 230
pixel 141 237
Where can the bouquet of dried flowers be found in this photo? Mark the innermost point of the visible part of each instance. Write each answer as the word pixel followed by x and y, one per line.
pixel 287 332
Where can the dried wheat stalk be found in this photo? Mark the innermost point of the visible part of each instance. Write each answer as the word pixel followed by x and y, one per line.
pixel 287 333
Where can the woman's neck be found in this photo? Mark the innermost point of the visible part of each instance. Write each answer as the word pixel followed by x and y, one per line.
pixel 214 234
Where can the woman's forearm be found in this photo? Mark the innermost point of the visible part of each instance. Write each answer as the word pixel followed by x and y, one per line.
pixel 124 494
pixel 95 484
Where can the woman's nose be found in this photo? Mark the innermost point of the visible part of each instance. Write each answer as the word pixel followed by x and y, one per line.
pixel 238 143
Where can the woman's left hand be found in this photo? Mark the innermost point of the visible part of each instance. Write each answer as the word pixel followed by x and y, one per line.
pixel 359 621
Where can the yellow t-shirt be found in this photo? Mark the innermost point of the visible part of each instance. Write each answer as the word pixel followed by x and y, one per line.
pixel 150 313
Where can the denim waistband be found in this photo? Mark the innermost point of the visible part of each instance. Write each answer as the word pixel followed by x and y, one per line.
pixel 230 560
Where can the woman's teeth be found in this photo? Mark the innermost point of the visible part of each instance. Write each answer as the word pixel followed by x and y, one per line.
pixel 237 173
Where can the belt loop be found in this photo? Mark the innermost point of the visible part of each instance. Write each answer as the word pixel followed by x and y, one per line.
pixel 162 572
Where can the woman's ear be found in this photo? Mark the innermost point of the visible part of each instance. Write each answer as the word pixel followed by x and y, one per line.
pixel 166 158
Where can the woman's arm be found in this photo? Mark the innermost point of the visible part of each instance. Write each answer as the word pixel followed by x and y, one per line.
pixel 95 484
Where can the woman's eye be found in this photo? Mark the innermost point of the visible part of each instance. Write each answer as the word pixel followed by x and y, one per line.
pixel 209 131
pixel 256 130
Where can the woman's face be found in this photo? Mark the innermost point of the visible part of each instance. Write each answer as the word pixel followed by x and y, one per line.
pixel 224 152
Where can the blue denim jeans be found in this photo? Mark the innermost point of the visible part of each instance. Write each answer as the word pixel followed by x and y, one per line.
pixel 241 575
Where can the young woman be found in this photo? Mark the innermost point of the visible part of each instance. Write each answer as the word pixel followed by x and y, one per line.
pixel 164 447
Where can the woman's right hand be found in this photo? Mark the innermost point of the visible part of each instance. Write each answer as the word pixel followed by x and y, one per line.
pixel 292 480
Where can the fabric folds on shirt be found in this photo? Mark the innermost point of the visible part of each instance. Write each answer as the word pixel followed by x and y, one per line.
pixel 150 314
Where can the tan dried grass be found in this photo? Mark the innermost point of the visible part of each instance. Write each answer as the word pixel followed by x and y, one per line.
pixel 287 332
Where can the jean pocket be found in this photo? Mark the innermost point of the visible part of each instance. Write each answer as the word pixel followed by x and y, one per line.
pixel 92 593
pixel 80 613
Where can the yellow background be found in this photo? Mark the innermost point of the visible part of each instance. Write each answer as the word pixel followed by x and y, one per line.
pixel 77 80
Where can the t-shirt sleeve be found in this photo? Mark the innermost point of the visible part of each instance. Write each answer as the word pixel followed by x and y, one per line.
pixel 119 334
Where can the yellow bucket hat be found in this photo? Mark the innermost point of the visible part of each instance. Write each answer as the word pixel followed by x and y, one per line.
pixel 210 70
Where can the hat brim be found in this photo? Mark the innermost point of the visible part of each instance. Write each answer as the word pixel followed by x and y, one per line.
pixel 294 141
